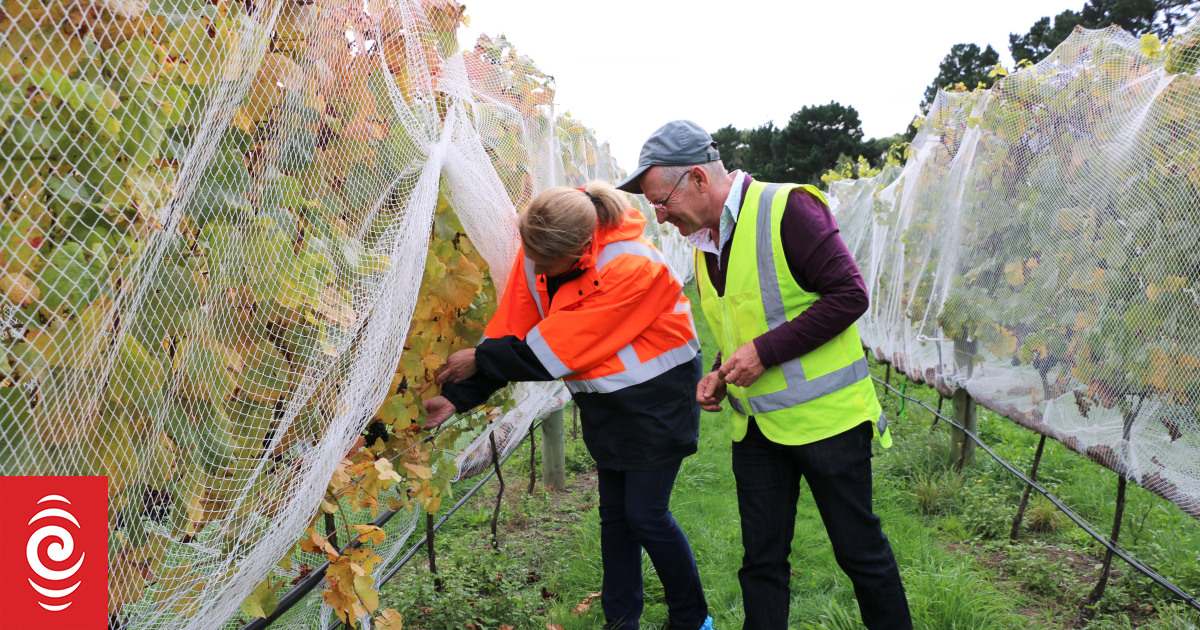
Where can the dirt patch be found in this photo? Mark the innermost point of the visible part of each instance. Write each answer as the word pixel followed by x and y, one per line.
pixel 1056 579
pixel 532 523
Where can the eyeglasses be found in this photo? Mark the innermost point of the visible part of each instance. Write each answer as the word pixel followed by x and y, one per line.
pixel 663 205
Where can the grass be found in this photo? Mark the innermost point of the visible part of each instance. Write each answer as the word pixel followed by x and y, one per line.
pixel 949 532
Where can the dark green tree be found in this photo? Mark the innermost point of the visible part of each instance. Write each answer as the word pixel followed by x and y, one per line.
pixel 814 138
pixel 811 143
pixel 729 145
pixel 758 155
pixel 965 64
pixel 1042 37
pixel 1173 16
pixel 1160 17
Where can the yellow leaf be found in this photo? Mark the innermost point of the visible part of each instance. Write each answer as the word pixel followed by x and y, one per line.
pixel 1015 272
pixel 424 472
pixel 386 471
pixel 433 361
pixel 370 534
pixel 19 290
pixel 389 620
pixel 316 543
pixel 1151 45
pixel 364 585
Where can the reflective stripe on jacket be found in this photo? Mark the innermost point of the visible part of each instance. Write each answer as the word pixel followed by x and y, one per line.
pixel 817 395
pixel 623 321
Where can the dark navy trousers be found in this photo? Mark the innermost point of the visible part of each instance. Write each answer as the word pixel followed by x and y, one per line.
pixel 838 470
pixel 635 515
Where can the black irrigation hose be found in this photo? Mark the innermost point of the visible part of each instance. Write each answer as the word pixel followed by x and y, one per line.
pixel 1133 562
pixel 310 581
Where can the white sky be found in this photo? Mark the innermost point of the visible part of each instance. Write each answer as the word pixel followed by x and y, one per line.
pixel 625 67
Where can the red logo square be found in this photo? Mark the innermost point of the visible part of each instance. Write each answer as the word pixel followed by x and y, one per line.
pixel 54 550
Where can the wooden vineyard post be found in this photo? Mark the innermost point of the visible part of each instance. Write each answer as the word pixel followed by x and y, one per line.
pixel 331 530
pixel 963 410
pixel 962 449
pixel 554 452
pixel 1102 583
pixel 532 461
pixel 499 491
pixel 1037 458
pixel 431 551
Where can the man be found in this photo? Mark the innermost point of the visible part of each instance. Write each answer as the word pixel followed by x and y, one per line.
pixel 781 293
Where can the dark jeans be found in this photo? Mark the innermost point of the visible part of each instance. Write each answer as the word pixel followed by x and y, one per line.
pixel 634 515
pixel 838 470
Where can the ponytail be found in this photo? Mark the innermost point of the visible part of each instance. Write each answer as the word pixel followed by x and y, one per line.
pixel 610 203
pixel 561 220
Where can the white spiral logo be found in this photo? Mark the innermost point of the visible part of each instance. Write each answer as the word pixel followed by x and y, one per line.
pixel 59 551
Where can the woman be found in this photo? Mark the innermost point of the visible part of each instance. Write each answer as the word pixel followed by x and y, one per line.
pixel 591 301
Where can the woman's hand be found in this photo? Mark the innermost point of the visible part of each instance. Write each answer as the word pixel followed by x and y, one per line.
pixel 710 392
pixel 438 409
pixel 459 367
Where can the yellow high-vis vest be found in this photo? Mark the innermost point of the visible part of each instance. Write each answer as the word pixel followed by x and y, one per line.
pixel 818 395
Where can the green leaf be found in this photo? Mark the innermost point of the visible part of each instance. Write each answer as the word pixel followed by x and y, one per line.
pixel 73 277
pixel 16 422
pixel 136 376
pixel 266 374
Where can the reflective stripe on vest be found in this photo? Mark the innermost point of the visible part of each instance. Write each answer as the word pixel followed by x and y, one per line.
pixel 808 398
pixel 880 424
pixel 799 389
pixel 635 371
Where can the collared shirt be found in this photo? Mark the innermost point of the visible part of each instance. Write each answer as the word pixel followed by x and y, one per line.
pixel 702 239
pixel 820 262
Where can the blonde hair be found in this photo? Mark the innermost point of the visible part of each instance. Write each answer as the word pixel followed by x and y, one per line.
pixel 561 220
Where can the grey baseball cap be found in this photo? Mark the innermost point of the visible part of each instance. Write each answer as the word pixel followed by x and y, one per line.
pixel 677 143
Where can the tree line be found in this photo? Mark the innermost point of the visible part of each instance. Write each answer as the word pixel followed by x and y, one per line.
pixel 819 138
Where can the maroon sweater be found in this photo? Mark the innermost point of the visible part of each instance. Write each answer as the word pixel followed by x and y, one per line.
pixel 820 263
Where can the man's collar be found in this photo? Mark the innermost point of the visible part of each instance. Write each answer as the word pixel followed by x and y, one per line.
pixel 703 239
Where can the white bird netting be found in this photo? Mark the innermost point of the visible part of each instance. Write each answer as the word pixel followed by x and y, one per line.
pixel 1041 248
pixel 224 223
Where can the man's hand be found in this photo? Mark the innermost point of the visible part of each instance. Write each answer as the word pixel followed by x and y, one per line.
pixel 743 367
pixel 710 392
pixel 459 367
pixel 438 409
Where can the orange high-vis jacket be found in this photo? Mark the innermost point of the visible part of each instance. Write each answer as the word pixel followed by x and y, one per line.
pixel 622 322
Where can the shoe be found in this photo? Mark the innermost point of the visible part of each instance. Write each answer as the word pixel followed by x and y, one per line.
pixel 707 624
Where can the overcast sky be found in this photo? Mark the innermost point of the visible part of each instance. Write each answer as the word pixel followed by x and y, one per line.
pixel 624 67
